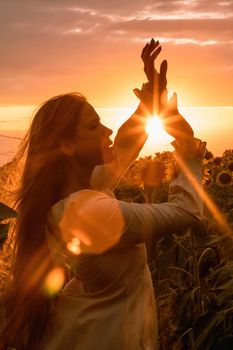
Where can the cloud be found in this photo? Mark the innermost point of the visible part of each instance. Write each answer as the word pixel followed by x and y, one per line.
pixel 165 9
pixel 40 18
pixel 181 41
pixel 200 30
pixel 58 40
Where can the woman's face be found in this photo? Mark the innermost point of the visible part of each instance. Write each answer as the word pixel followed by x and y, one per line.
pixel 92 143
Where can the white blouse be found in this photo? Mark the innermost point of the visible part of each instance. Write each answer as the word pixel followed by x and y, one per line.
pixel 110 304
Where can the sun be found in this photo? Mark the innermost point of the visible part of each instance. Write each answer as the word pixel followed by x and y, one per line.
pixel 154 126
pixel 156 134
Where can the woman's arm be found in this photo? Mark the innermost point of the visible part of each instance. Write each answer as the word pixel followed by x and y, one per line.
pixel 132 134
pixel 183 209
pixel 128 142
pixel 96 222
pixel 99 222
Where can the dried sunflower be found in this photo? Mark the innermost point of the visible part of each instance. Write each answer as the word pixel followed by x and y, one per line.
pixel 224 178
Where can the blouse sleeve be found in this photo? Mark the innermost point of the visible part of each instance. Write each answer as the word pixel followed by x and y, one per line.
pixel 95 222
pixel 183 209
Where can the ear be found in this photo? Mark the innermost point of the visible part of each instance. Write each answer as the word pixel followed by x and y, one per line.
pixel 66 147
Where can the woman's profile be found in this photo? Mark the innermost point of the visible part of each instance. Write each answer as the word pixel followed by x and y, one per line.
pixel 68 215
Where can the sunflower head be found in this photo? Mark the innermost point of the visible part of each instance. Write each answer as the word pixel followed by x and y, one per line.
pixel 154 173
pixel 208 173
pixel 171 171
pixel 224 178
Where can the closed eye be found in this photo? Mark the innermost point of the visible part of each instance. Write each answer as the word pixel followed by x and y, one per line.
pixel 94 125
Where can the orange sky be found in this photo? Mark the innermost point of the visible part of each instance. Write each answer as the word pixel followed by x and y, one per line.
pixel 56 46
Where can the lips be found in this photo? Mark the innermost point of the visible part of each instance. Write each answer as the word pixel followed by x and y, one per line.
pixel 107 143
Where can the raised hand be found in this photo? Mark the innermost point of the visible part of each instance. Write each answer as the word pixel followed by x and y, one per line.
pixel 157 81
pixel 153 95
pixel 173 122
pixel 149 54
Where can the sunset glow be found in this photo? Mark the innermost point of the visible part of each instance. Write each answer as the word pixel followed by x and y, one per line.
pixel 154 125
pixel 95 47
pixel 155 130
pixel 116 174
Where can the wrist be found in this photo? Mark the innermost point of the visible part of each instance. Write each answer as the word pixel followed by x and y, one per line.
pixel 189 147
pixel 142 111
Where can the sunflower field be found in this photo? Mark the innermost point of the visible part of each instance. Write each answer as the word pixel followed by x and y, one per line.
pixel 192 271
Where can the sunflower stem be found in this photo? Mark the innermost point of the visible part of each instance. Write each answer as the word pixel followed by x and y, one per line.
pixel 196 275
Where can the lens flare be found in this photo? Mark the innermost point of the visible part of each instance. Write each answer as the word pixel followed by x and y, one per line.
pixel 210 204
pixel 74 246
pixel 54 281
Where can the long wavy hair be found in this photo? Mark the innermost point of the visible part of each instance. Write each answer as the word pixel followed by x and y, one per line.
pixel 28 308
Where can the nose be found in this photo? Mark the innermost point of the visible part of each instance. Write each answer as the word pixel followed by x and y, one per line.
pixel 107 131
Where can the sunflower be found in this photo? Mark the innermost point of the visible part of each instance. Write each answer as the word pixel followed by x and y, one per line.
pixel 227 157
pixel 224 178
pixel 153 174
pixel 228 153
pixel 230 165
pixel 171 171
pixel 217 160
pixel 208 173
pixel 208 156
pixel 208 182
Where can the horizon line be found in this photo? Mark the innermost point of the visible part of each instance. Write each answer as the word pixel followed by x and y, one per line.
pixel 109 108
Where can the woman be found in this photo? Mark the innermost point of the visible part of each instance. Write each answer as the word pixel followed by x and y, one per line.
pixel 68 215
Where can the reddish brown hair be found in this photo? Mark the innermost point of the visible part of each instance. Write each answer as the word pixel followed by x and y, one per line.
pixel 28 309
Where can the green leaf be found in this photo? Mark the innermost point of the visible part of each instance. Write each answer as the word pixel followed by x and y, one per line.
pixel 6 212
pixel 4 228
